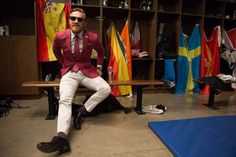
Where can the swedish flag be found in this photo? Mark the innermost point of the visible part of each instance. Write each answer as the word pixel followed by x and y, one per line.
pixel 188 62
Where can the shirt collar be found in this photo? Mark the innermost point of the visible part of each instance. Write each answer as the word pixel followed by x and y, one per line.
pixel 80 35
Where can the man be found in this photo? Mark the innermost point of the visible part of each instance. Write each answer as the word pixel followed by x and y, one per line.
pixel 74 56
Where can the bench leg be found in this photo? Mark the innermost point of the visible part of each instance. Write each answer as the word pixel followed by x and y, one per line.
pixel 51 104
pixel 211 99
pixel 138 108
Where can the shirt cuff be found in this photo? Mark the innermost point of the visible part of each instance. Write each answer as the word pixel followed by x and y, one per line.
pixel 99 67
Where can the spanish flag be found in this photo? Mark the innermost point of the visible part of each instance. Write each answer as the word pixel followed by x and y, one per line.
pixel 188 66
pixel 51 18
pixel 210 56
pixel 117 62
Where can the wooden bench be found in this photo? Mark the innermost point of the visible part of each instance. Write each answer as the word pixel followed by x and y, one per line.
pixel 49 86
pixel 213 92
pixel 52 103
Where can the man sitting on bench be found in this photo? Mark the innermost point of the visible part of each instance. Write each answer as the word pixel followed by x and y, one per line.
pixel 77 44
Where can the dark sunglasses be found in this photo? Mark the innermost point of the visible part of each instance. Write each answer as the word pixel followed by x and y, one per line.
pixel 79 19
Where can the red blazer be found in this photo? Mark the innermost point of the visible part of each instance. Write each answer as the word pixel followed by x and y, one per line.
pixel 63 53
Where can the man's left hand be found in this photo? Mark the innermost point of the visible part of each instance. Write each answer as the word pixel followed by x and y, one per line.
pixel 99 72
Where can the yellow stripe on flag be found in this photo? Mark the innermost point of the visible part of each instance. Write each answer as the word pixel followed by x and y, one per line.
pixel 54 21
pixel 123 73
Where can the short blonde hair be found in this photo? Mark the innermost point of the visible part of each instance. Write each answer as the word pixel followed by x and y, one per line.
pixel 79 10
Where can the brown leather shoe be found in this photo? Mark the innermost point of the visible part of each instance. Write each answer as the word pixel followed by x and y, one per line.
pixel 56 144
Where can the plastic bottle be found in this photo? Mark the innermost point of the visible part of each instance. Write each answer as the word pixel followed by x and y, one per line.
pixel 110 74
pixel 149 5
pixel 6 30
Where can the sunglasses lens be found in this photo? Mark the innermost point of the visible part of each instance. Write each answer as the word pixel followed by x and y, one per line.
pixel 72 18
pixel 79 19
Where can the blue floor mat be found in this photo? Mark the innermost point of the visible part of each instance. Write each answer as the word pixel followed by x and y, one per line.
pixel 198 137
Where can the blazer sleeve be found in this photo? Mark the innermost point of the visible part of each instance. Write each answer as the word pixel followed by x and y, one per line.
pixel 57 50
pixel 100 51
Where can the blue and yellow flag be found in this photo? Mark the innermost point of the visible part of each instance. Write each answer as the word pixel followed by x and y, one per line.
pixel 188 62
pixel 169 70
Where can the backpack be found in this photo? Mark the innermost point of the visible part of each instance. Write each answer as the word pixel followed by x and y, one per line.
pixel 107 105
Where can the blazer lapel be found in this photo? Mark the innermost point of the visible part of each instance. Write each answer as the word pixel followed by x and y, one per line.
pixel 68 39
pixel 85 40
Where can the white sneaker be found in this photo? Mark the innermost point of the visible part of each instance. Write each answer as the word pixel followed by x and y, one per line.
pixel 155 109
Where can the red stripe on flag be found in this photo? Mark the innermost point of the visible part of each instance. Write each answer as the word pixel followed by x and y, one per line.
pixel 42 48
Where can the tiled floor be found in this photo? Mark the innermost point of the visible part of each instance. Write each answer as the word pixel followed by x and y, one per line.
pixel 108 135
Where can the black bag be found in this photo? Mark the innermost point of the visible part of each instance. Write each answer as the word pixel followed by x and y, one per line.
pixel 5 106
pixel 108 105
pixel 163 48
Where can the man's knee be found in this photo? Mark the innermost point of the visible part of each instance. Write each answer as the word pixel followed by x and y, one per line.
pixel 105 90
pixel 65 100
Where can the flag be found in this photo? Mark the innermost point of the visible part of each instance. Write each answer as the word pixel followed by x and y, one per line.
pixel 51 18
pixel 229 39
pixel 210 56
pixel 169 71
pixel 188 62
pixel 214 45
pixel 117 62
pixel 135 41
pixel 232 36
pixel 206 62
pixel 126 39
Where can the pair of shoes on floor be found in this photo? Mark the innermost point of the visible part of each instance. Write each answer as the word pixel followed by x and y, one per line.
pixel 56 144
pixel 155 109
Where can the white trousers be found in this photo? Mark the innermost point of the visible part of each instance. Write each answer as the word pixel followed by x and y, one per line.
pixel 68 86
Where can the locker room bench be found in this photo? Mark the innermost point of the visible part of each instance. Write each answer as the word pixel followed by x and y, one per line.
pixel 52 101
pixel 213 90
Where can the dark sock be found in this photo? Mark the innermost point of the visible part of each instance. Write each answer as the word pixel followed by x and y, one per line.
pixel 62 135
pixel 83 110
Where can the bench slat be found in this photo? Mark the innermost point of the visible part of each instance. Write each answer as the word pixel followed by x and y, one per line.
pixel 51 84
pixel 41 84
pixel 136 82
pixel 112 83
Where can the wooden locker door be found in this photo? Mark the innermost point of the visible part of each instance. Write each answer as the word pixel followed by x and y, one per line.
pixel 7 64
pixel 26 67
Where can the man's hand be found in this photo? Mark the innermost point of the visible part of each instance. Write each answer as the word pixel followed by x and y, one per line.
pixel 99 72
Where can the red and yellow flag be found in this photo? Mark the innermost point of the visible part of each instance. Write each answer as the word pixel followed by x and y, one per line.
pixel 50 18
pixel 126 39
pixel 117 62
pixel 210 56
